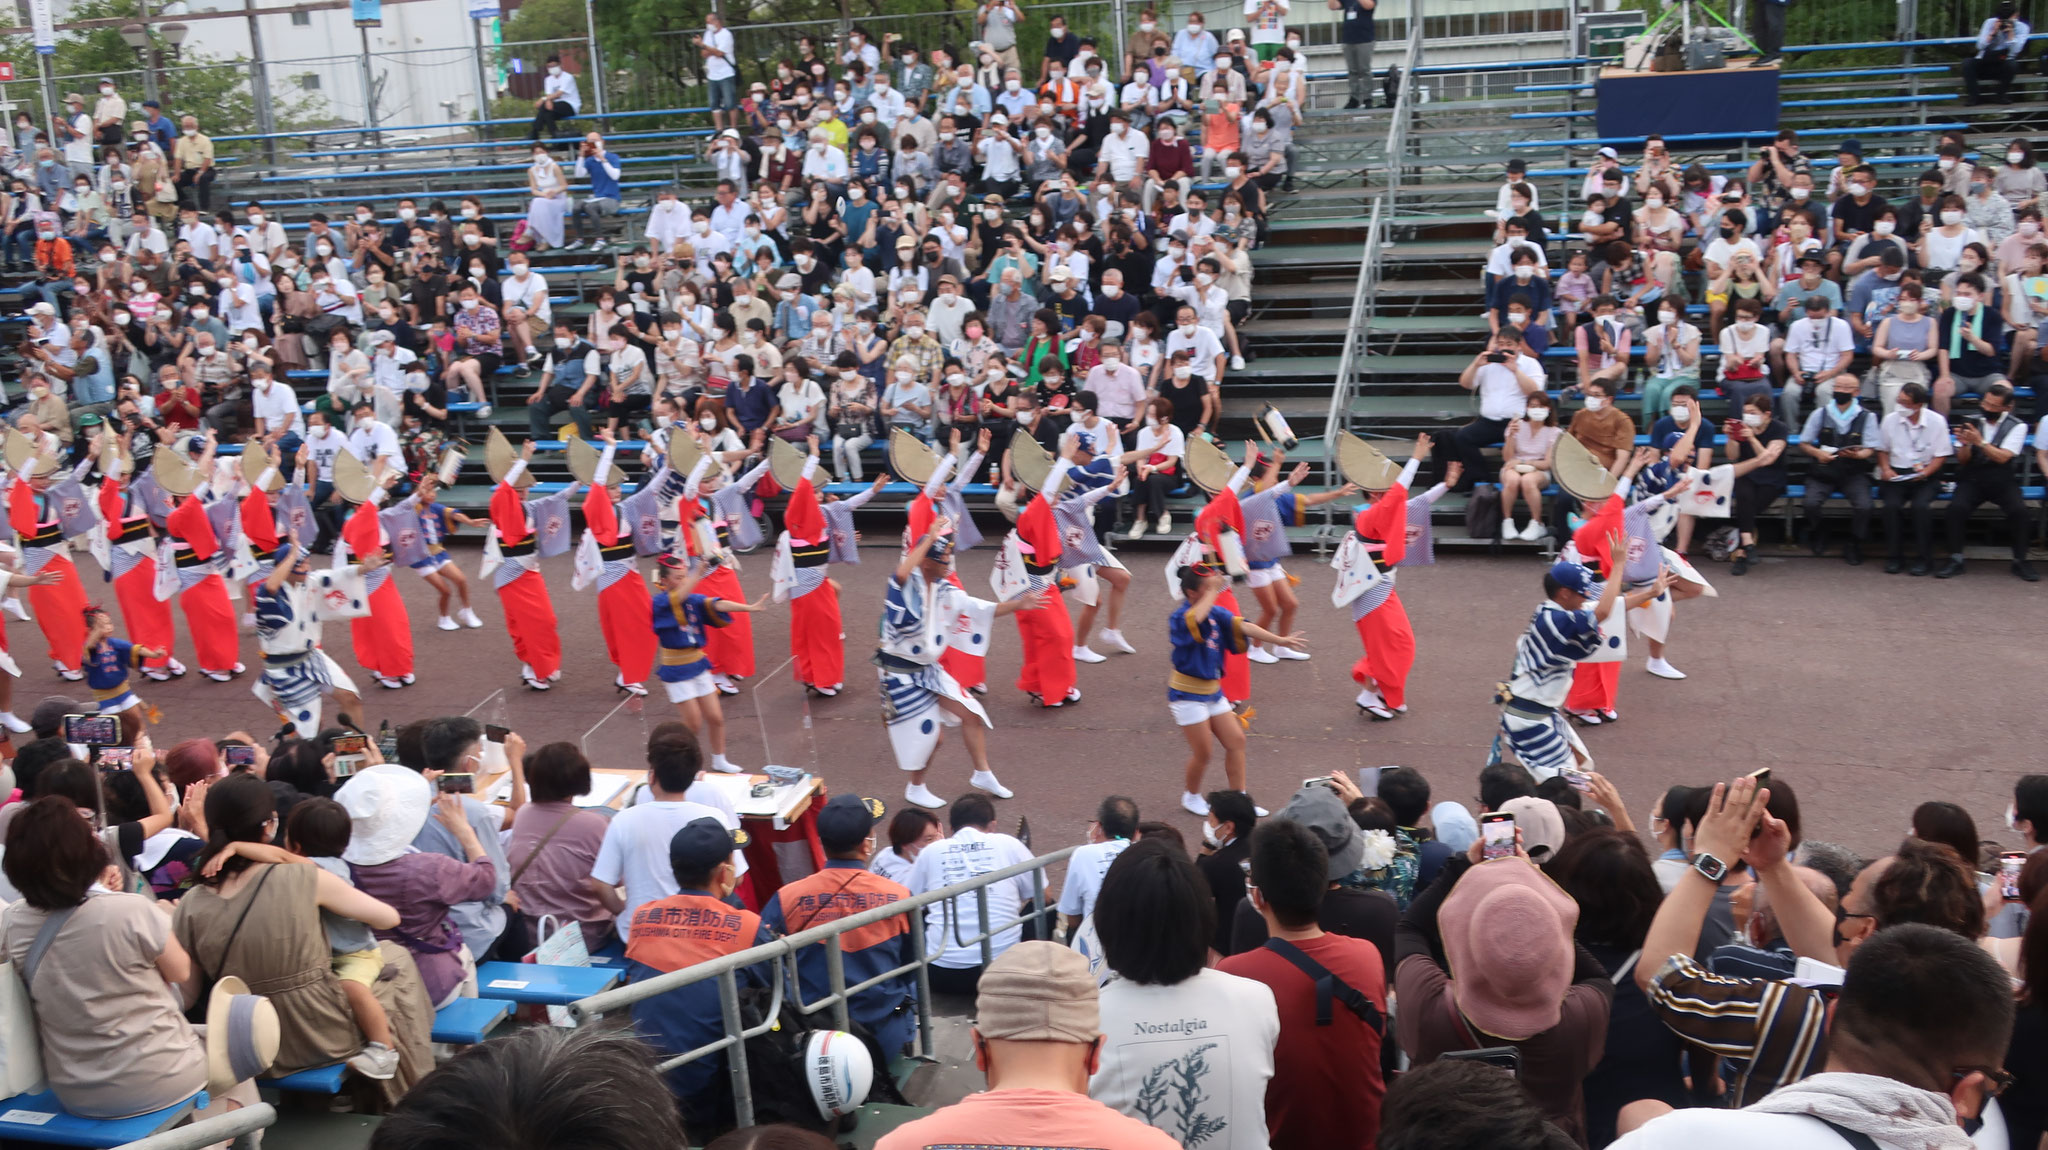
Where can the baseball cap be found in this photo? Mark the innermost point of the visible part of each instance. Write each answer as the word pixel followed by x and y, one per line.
pixel 847 819
pixel 1609 154
pixel 703 844
pixel 1235 35
pixel 1574 577
pixel 1059 274
pixel 1320 810
pixel 1541 826
pixel 789 282
pixel 1038 992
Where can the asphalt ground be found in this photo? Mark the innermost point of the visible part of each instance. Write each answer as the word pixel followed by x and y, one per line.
pixel 1869 693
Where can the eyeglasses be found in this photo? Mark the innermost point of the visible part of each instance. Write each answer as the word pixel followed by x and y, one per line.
pixel 1996 1083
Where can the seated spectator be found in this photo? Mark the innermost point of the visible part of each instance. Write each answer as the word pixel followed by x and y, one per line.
pixel 542 1085
pixel 1407 794
pixel 553 850
pixel 1226 843
pixel 911 829
pixel 846 829
pixel 1331 993
pixel 1116 820
pixel 1037 1038
pixel 1603 428
pixel 1349 908
pixel 1154 926
pixel 634 853
pixel 971 851
pixel 1506 377
pixel 1487 959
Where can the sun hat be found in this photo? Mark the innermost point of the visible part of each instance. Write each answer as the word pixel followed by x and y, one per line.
pixel 387 805
pixel 242 1035
pixel 1507 934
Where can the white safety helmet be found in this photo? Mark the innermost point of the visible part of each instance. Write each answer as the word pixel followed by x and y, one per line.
pixel 839 1069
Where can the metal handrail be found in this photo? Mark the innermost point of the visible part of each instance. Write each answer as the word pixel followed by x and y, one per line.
pixel 209 1130
pixel 782 953
pixel 1404 114
pixel 1363 297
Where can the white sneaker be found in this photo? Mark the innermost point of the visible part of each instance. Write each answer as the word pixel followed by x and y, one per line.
pixel 468 618
pixel 1166 524
pixel 555 676
pixel 13 723
pixel 1258 654
pixel 1662 669
pixel 921 795
pixel 1535 531
pixel 389 684
pixel 1194 804
pixel 1508 530
pixel 1237 363
pixel 1083 655
pixel 536 684
pixel 986 780
pixel 447 624
pixel 377 1061
pixel 724 766
pixel 14 608
pixel 1137 530
pixel 1289 653
pixel 71 676
pixel 1115 641
pixel 1260 811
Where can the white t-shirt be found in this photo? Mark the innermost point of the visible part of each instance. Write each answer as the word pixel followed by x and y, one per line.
pixel 277 409
pixel 322 449
pixel 1499 262
pixel 1102 441
pixel 1500 393
pixel 718 67
pixel 635 851
pixel 1707 1129
pixel 1722 253
pixel 1220 1023
pixel 948 925
pixel 1085 868
pixel 1817 346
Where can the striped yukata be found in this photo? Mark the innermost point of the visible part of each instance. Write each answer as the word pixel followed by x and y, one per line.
pixel 296 672
pixel 920 622
pixel 1545 657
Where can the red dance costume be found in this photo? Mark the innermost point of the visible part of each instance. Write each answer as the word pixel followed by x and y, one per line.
pixel 1595 686
pixel 204 594
pixel 1222 510
pixel 1384 631
pixel 522 591
pixel 60 607
pixel 629 640
pixel 817 635
pixel 731 647
pixel 1047 632
pixel 970 671
pixel 383 638
pixel 134 554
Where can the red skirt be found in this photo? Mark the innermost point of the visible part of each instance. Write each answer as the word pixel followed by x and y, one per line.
pixel 1389 644
pixel 730 647
pixel 530 618
pixel 1048 635
pixel 60 612
pixel 211 619
pixel 622 614
pixel 1594 687
pixel 148 617
pixel 383 638
pixel 817 638
pixel 1237 666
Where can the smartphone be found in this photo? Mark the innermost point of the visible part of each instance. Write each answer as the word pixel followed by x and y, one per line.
pixel 496 734
pixel 1506 1058
pixel 1761 776
pixel 2009 866
pixel 238 755
pixel 1369 781
pixel 457 783
pixel 349 754
pixel 1577 779
pixel 92 730
pixel 116 758
pixel 1318 781
pixel 1497 834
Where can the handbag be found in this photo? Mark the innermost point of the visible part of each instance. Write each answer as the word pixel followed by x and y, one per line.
pixel 562 946
pixel 21 1046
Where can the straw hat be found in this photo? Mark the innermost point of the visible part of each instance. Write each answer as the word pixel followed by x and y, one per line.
pixel 583 459
pixel 174 473
pixel 351 481
pixel 786 463
pixel 498 459
pixel 1030 462
pixel 1208 465
pixel 910 458
pixel 1579 473
pixel 1364 464
pixel 242 1035
pixel 20 450
pixel 254 464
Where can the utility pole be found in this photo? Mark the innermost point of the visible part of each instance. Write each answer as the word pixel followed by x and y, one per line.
pixel 596 76
pixel 369 90
pixel 483 83
pixel 259 84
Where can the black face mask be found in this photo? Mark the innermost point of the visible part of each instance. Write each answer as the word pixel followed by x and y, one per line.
pixel 1728 233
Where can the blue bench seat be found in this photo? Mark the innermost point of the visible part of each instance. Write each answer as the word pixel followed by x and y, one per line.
pixel 531 983
pixel 319 1080
pixel 39 1118
pixel 468 1021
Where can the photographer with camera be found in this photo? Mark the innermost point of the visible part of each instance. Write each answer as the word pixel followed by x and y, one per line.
pixel 1989 447
pixel 1999 45
pixel 1818 347
pixel 1505 376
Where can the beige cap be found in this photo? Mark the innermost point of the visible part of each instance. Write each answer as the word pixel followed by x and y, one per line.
pixel 1038 992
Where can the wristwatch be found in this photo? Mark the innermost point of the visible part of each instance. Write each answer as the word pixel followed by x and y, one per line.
pixel 1710 868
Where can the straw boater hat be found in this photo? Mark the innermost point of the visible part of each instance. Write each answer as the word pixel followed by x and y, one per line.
pixel 1364 464
pixel 21 451
pixel 351 480
pixel 583 459
pixel 1579 473
pixel 1030 462
pixel 254 463
pixel 910 458
pixel 174 473
pixel 786 463
pixel 242 1035
pixel 1208 465
pixel 498 459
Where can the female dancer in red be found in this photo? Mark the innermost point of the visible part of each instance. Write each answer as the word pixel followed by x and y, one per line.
pixel 132 550
pixel 523 592
pixel 621 612
pixel 383 638
pixel 60 604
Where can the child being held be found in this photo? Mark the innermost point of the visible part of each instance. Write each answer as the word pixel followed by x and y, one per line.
pixel 318 830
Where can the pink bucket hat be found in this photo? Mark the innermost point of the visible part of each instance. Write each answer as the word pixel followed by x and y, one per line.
pixel 1507 931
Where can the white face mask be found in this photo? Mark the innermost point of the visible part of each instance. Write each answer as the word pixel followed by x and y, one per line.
pixel 1187 329
pixel 1112 291
pixel 1537 414
pixel 1595 402
pixel 1752 419
pixel 1204 278
pixel 1524 272
pixel 1883 227
pixel 1745 326
pixel 468 304
pixel 1183 371
pixel 1945 164
pixel 1859 189
pixel 256 219
pixel 564 342
pixel 1951 217
pixel 1518 318
pixel 708 423
pixel 323 249
pixel 408 214
pixel 1966 303
pixel 1681 415
pixel 469 213
pixel 1232 171
pixel 1667 316
pixel 1654 202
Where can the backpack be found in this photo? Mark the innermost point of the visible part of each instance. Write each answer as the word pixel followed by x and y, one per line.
pixel 1482 512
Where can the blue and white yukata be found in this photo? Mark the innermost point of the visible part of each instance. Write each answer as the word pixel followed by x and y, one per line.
pixel 920 622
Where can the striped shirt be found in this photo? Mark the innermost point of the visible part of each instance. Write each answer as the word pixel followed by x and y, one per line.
pixel 1548 651
pixel 1777 1029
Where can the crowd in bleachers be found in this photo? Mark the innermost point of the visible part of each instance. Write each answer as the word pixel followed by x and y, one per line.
pixel 1345 971
pixel 1890 342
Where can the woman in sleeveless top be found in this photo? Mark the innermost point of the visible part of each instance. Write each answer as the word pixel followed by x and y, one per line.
pixel 1903 346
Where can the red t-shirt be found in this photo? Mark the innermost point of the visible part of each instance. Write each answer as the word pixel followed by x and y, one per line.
pixel 1326 1087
